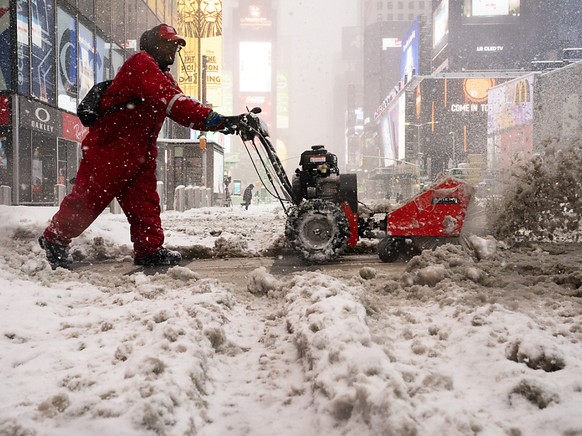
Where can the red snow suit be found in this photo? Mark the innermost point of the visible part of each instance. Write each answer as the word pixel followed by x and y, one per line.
pixel 119 155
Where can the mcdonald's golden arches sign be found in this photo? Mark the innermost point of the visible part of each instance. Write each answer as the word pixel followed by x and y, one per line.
pixel 522 92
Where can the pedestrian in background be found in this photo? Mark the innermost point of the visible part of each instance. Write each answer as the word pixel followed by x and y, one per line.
pixel 247 196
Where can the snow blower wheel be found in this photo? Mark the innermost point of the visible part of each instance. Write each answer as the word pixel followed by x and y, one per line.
pixel 389 248
pixel 317 230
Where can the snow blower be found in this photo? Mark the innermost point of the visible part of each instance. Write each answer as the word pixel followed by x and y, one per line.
pixel 322 207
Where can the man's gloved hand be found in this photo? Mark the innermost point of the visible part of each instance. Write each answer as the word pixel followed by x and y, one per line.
pixel 213 119
pixel 231 125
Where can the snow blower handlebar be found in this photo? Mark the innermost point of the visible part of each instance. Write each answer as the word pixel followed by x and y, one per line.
pixel 252 128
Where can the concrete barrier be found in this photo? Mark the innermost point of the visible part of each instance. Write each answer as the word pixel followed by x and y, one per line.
pixel 192 197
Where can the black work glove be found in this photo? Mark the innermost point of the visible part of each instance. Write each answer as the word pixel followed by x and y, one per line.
pixel 231 125
pixel 213 119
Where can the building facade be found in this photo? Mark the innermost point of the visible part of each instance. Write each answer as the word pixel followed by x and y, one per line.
pixel 51 54
pixel 375 11
pixel 437 121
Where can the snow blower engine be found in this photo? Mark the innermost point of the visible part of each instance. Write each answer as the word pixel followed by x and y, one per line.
pixel 318 176
pixel 324 221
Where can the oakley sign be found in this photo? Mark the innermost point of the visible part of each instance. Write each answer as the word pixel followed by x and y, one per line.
pixel 38 117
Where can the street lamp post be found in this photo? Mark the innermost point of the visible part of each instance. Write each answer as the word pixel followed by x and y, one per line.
pixel 453 156
pixel 419 148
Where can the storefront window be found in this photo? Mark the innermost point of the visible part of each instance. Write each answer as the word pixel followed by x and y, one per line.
pixel 24 167
pixel 67 162
pixel 86 64
pixel 116 58
pixel 42 50
pixel 5 52
pixel 67 61
pixel 23 47
pixel 102 60
pixel 43 168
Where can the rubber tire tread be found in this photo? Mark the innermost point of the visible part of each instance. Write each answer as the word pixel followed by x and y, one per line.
pixel 389 249
pixel 336 244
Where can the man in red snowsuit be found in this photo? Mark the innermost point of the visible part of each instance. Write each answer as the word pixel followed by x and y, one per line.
pixel 119 152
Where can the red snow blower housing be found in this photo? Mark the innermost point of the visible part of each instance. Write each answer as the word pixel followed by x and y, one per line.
pixel 433 217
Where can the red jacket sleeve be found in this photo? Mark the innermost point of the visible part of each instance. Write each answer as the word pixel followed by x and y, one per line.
pixel 140 79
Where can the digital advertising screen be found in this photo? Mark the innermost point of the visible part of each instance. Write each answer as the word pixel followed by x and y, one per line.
pixel 392 133
pixel 491 11
pixel 456 109
pixel 255 68
pixel 492 8
pixel 200 22
pixel 66 61
pixel 42 50
pixel 86 62
pixel 440 28
pixel 102 60
pixel 5 47
pixel 23 47
pixel 410 52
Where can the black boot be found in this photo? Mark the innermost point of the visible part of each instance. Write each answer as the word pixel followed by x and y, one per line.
pixel 57 255
pixel 161 257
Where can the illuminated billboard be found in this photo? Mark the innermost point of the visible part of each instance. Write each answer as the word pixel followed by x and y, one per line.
pixel 440 28
pixel 255 67
pixel 510 121
pixel 491 11
pixel 200 22
pixel 392 133
pixel 5 46
pixel 409 63
pixel 492 8
pixel 454 112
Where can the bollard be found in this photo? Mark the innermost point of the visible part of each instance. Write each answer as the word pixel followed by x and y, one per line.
pixel 114 206
pixel 160 191
pixel 189 197
pixel 197 198
pixel 179 198
pixel 60 192
pixel 6 195
pixel 208 197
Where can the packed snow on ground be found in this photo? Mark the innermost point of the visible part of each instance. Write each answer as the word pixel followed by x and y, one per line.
pixel 484 339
